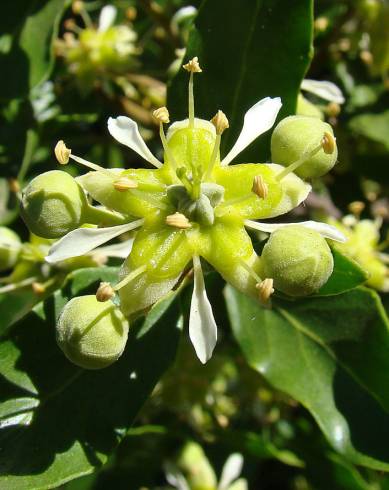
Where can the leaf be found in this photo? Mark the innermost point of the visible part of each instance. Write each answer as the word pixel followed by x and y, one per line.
pixel 347 275
pixel 248 50
pixel 372 126
pixel 28 30
pixel 63 421
pixel 331 355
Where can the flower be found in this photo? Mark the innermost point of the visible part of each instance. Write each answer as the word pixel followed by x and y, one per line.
pixel 192 206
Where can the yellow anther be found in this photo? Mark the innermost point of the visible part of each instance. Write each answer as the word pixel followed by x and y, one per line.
pixel 366 57
pixel 193 66
pixel 131 13
pixel 162 115
pixel 62 153
pixel 260 188
pixel 104 292
pixel 124 183
pixel 356 207
pixel 220 122
pixel 77 6
pixel 178 220
pixel 321 23
pixel 333 109
pixel 70 24
pixel 38 288
pixel 265 289
pixel 14 185
pixel 328 143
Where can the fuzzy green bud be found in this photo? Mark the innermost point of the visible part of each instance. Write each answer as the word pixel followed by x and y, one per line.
pixel 92 334
pixel 304 139
pixel 53 204
pixel 298 259
pixel 10 246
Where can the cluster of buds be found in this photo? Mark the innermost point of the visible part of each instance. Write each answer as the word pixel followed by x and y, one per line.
pixel 192 207
pixel 97 51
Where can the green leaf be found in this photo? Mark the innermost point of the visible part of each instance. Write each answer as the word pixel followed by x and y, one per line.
pixel 248 50
pixel 28 29
pixel 372 126
pixel 61 422
pixel 331 355
pixel 347 275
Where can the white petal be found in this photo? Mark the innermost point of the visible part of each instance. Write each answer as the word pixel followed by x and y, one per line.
pixel 202 325
pixel 119 250
pixel 325 90
pixel 175 478
pixel 83 240
pixel 126 131
pixel 231 470
pixel 107 17
pixel 323 229
pixel 257 120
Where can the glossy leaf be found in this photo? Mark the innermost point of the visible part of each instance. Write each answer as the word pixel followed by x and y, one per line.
pixel 61 422
pixel 248 50
pixel 27 33
pixel 330 354
pixel 347 275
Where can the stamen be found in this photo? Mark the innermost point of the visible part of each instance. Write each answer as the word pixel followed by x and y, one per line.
pixel 251 271
pixel 260 188
pixel 63 154
pixel 124 184
pixel 14 185
pixel 131 276
pixel 18 285
pixel 300 161
pixel 265 289
pixel 79 8
pixel 104 292
pixel 38 288
pixel 178 220
pixel 192 67
pixel 220 122
pixel 162 115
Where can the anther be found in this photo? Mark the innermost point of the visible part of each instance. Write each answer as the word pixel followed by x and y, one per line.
pixel 220 122
pixel 104 292
pixel 178 220
pixel 265 289
pixel 193 66
pixel 356 208
pixel 14 185
pixel 77 7
pixel 124 184
pixel 62 153
pixel 328 143
pixel 260 188
pixel 38 288
pixel 162 115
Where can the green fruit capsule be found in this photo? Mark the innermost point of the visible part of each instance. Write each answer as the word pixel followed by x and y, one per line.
pixel 10 246
pixel 300 139
pixel 298 259
pixel 53 204
pixel 92 334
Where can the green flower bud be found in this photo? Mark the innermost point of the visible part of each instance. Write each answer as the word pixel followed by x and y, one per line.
pixel 299 260
pixel 300 138
pixel 53 204
pixel 10 246
pixel 92 334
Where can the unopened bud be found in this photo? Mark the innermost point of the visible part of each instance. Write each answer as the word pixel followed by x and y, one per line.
pixel 62 153
pixel 124 184
pixel 260 187
pixel 105 292
pixel 131 13
pixel 265 289
pixel 193 66
pixel 220 122
pixel 328 143
pixel 178 220
pixel 162 115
